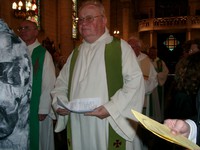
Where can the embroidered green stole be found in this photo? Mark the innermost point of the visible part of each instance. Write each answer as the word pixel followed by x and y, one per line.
pixel 113 63
pixel 37 63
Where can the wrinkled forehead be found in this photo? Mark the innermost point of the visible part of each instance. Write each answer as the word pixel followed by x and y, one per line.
pixel 89 10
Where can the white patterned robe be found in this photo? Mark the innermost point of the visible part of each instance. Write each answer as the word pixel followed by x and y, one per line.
pixel 15 91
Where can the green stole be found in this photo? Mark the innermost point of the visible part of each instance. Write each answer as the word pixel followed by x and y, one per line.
pixel 113 63
pixel 37 63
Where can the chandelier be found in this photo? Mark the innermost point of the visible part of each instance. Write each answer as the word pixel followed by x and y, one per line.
pixel 22 12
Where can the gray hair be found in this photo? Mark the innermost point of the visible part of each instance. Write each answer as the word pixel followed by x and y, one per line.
pixel 137 41
pixel 95 3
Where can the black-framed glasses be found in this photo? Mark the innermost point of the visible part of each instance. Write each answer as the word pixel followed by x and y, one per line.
pixel 88 19
pixel 25 28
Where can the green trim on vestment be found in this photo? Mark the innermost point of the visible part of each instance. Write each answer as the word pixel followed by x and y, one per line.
pixel 72 64
pixel 113 65
pixel 37 62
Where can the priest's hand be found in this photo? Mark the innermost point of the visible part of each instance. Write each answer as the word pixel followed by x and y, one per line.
pixel 62 112
pixel 99 112
pixel 42 117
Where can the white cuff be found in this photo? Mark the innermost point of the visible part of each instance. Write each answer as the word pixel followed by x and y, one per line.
pixel 193 130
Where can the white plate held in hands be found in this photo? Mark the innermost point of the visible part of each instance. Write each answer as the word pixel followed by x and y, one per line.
pixel 82 105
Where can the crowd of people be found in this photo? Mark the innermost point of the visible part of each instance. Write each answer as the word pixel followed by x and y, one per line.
pixel 31 98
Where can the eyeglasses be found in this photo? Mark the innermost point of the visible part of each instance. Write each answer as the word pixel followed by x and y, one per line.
pixel 88 19
pixel 25 28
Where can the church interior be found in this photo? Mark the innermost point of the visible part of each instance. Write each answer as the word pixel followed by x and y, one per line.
pixel 164 24
pixel 155 22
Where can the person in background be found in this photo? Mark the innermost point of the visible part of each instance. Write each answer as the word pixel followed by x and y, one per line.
pixel 190 47
pixel 150 77
pixel 162 74
pixel 148 70
pixel 41 114
pixel 181 103
pixel 91 73
pixel 150 80
pixel 159 65
pixel 15 93
pixel 188 81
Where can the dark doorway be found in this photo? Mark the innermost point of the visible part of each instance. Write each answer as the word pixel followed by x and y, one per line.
pixel 170 57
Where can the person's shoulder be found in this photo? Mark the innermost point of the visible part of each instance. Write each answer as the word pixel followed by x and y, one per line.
pixel 124 43
pixel 143 54
pixel 144 57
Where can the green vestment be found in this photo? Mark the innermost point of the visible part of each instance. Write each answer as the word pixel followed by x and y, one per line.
pixel 38 56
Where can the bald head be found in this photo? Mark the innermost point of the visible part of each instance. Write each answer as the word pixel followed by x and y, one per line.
pixel 136 44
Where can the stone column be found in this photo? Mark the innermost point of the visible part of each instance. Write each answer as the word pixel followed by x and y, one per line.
pixel 64 27
pixel 125 18
pixel 151 39
pixel 106 4
pixel 188 35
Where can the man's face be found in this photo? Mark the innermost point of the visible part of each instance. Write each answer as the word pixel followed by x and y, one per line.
pixel 28 32
pixel 193 49
pixel 153 53
pixel 91 23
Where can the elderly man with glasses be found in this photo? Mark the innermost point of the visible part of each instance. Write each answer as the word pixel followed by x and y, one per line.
pixel 98 86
